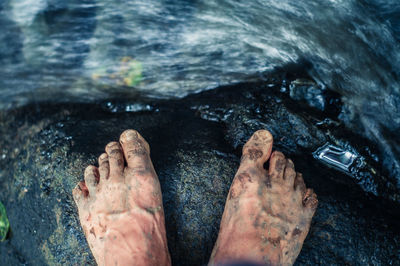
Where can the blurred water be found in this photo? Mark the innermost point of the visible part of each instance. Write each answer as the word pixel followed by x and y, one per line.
pixel 84 49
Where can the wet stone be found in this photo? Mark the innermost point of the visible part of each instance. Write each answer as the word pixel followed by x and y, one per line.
pixel 308 91
pixel 196 148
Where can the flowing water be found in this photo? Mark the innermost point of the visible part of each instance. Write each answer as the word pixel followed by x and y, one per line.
pixel 92 49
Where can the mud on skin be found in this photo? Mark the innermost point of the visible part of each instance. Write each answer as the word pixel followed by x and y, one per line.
pixel 122 206
pixel 113 201
pixel 266 217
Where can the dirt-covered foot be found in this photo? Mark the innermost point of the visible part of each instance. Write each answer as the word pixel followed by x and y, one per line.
pixel 120 206
pixel 267 213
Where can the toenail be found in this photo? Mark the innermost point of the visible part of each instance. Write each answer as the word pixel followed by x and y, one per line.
pixel 103 156
pixel 280 164
pixel 265 135
pixel 112 145
pixel 130 134
pixel 90 170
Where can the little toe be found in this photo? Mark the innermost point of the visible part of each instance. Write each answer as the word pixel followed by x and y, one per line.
pixel 258 148
pixel 115 160
pixel 310 200
pixel 80 193
pixel 104 167
pixel 277 165
pixel 91 178
pixel 136 149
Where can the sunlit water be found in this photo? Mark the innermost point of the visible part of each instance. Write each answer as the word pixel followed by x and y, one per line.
pixel 88 49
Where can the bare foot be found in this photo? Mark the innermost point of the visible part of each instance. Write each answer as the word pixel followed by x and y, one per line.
pixel 267 214
pixel 120 207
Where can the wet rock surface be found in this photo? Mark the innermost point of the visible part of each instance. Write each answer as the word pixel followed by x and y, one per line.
pixel 195 146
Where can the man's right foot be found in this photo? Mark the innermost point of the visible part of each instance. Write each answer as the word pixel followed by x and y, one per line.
pixel 267 214
pixel 120 206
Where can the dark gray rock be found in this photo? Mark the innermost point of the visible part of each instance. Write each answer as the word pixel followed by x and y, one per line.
pixel 196 144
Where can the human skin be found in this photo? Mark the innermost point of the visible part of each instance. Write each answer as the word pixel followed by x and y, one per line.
pixel 266 218
pixel 267 213
pixel 120 206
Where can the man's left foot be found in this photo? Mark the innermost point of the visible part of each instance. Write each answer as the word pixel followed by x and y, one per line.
pixel 267 213
pixel 120 206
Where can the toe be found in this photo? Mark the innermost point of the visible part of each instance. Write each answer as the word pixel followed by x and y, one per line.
pixel 104 167
pixel 258 148
pixel 136 149
pixel 91 178
pixel 310 200
pixel 299 184
pixel 115 160
pixel 277 165
pixel 80 193
pixel 289 173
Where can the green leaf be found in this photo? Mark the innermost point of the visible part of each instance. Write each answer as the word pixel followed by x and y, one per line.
pixel 4 224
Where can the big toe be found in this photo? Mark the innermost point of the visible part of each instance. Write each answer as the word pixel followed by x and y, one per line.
pixel 258 148
pixel 136 149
